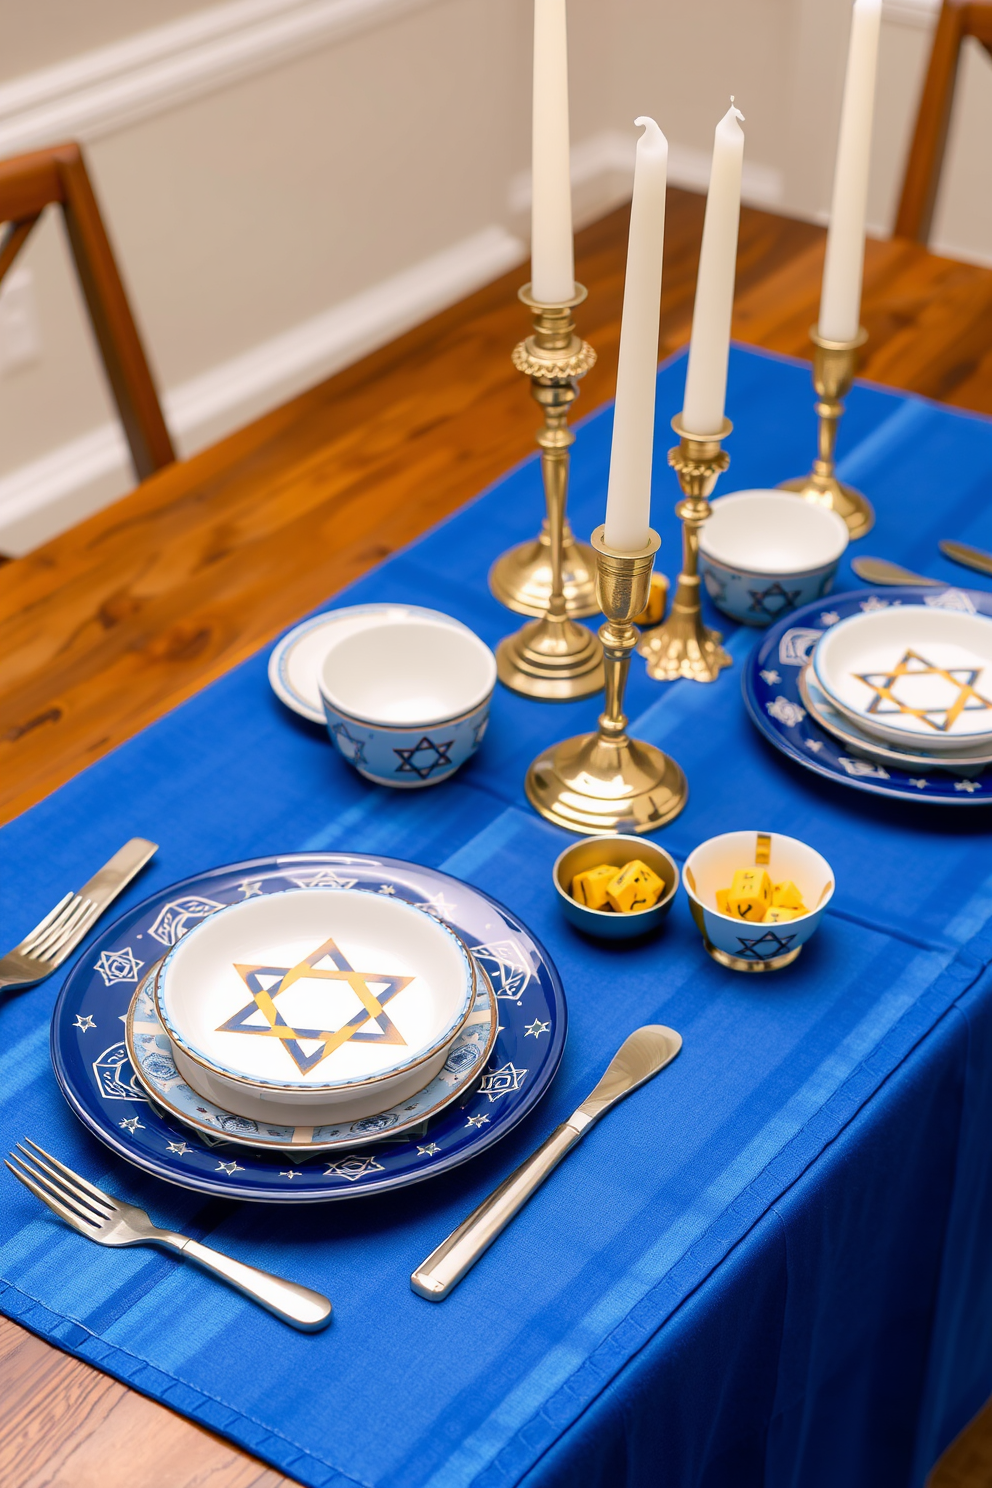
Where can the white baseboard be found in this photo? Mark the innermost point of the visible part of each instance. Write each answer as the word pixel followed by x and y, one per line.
pixel 43 498
pixel 113 86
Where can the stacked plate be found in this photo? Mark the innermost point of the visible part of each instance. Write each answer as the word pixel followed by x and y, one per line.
pixel 908 685
pixel 312 1017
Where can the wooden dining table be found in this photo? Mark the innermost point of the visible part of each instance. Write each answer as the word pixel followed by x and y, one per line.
pixel 110 625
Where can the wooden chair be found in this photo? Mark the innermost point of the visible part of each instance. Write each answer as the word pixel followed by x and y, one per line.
pixel 958 20
pixel 30 183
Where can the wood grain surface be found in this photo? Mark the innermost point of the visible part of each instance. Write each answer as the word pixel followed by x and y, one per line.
pixel 107 627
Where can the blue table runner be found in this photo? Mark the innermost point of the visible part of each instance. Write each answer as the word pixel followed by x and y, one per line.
pixel 767 1267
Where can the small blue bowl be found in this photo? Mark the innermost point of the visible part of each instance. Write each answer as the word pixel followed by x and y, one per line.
pixel 407 703
pixel 764 553
pixel 618 850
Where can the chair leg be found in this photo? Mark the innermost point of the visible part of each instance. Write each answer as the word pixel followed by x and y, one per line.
pixel 123 355
pixel 919 192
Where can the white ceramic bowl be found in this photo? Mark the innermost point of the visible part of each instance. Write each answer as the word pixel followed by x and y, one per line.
pixel 913 675
pixel 407 703
pixel 379 993
pixel 760 947
pixel 296 660
pixel 764 553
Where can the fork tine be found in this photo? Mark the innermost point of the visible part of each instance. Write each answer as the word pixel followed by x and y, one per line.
pixel 90 1188
pixel 84 1227
pixel 71 935
pixel 43 925
pixel 58 933
pixel 70 1192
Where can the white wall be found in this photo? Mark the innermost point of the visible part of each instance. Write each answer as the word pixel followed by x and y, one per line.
pixel 291 182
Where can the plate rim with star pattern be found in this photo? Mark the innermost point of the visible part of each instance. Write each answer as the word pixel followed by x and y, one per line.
pixel 770 683
pixel 98 1082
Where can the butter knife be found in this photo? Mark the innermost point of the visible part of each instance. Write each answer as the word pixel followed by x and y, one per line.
pixel 967 556
pixel 881 571
pixel 639 1057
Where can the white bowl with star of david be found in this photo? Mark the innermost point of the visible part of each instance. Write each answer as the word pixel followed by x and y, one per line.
pixel 316 999
pixel 407 703
pixel 763 554
pixel 758 947
pixel 912 675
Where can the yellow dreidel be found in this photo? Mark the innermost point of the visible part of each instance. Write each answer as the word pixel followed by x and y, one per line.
pixel 635 888
pixel 780 913
pixel 787 896
pixel 750 894
pixel 589 888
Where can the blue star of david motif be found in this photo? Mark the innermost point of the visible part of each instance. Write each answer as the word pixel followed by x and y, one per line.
pixel 265 983
pixel 353 749
pixel 785 599
pixel 765 947
pixel 431 757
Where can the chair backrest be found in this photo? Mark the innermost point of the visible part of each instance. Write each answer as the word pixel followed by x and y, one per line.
pixel 958 20
pixel 30 183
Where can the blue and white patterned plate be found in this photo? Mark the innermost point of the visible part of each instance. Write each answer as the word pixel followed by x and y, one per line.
pixel 92 1066
pixel 771 692
pixel 151 1055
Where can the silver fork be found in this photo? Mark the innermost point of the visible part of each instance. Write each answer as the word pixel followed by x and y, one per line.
pixel 109 1221
pixel 58 935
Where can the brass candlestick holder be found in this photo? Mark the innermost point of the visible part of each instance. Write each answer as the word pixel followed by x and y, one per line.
pixel 683 646
pixel 551 658
pixel 606 781
pixel 834 366
pixel 521 579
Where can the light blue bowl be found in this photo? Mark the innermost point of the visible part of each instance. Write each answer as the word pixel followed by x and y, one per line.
pixel 618 849
pixel 764 553
pixel 760 947
pixel 407 703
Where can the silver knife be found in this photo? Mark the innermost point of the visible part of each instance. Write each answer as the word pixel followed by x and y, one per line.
pixel 968 557
pixel 118 872
pixel 639 1057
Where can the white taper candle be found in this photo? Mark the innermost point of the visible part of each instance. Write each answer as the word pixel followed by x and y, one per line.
pixel 840 303
pixel 628 501
pixel 552 264
pixel 709 349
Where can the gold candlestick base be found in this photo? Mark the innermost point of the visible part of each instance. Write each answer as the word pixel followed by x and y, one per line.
pixel 834 366
pixel 551 658
pixel 521 578
pixel 683 646
pixel 606 781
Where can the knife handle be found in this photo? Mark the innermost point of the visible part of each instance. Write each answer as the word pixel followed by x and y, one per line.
pixel 445 1266
pixel 118 872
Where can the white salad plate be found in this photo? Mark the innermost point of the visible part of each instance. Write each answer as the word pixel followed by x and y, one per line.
pixel 321 1000
pixel 296 660
pixel 911 675
pixel 151 1053
pixel 967 761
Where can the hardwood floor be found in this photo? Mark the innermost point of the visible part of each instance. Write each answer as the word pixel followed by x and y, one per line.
pixel 113 623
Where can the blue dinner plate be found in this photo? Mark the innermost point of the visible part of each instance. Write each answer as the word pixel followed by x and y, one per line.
pixel 771 692
pixel 96 1076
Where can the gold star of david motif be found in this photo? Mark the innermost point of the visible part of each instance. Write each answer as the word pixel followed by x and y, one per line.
pixel 340 970
pixel 912 664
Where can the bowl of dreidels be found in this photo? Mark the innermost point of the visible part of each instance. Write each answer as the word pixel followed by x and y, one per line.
pixel 616 887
